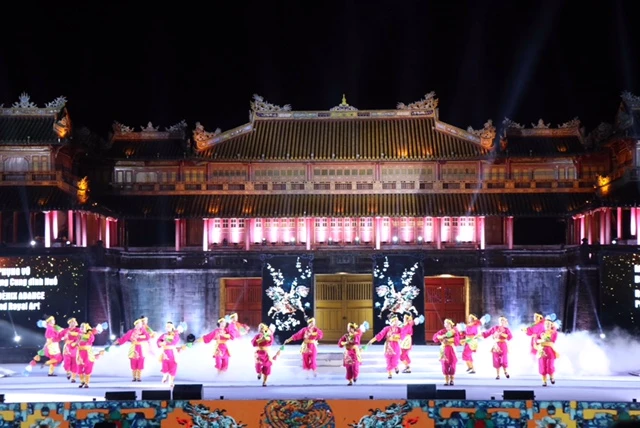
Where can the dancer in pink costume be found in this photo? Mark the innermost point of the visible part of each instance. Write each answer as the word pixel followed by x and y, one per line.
pixel 85 358
pixel 448 337
pixel 136 337
pixel 500 350
pixel 309 350
pixel 534 330
pixel 547 353
pixel 391 334
pixel 221 335
pixel 236 328
pixel 262 341
pixel 406 339
pixel 168 342
pixel 470 340
pixel 351 359
pixel 52 345
pixel 70 336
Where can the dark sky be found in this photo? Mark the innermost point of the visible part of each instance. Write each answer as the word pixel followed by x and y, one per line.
pixel 485 59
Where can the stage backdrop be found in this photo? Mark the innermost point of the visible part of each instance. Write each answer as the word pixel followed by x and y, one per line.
pixel 32 288
pixel 287 298
pixel 620 292
pixel 398 288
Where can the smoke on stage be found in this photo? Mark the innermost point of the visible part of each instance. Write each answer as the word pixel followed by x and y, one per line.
pixel 196 363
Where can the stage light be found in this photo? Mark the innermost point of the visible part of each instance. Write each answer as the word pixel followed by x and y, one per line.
pixel 395 239
pixel 603 336
pixel 614 242
pixel 16 338
pixel 68 243
pixel 420 239
pixel 112 337
pixel 33 243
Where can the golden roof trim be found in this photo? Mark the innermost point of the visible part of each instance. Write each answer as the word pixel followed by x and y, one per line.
pixel 25 107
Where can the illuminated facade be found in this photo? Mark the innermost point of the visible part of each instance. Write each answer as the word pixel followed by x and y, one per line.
pixel 342 184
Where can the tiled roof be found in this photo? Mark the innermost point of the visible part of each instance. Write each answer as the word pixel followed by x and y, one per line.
pixel 410 138
pixel 27 130
pixel 148 149
pixel 348 205
pixel 37 198
pixel 544 146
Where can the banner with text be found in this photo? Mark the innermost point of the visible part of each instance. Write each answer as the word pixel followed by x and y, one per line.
pixel 38 286
pixel 287 293
pixel 398 289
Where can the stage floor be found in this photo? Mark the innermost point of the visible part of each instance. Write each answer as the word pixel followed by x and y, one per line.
pixel 288 382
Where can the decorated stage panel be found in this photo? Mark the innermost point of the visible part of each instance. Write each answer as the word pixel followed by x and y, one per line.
pixel 318 413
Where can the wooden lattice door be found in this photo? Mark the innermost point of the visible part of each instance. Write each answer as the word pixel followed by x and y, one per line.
pixel 444 298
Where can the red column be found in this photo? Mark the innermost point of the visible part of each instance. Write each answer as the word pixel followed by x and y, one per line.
pixel 54 224
pixel 602 216
pixel 70 226
pixel 633 221
pixel 107 233
pixel 509 230
pixel 480 229
pixel 83 227
pixel 47 229
pixel 437 232
pixel 637 218
pixel 177 223
pixel 308 222
pixel 205 234
pixel 248 232
pixel 619 223
pixel 377 231
pixel 607 228
pixel 582 228
pixel 589 224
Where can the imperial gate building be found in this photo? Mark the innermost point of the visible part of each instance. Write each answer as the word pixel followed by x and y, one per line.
pixel 187 215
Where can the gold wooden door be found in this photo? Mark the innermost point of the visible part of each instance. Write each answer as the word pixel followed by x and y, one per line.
pixel 341 299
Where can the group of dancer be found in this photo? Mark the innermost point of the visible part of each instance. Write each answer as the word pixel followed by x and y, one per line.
pixel 543 332
pixel 77 355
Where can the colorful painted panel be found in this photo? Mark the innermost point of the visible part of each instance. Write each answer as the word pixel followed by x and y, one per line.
pixel 398 285
pixel 320 414
pixel 287 299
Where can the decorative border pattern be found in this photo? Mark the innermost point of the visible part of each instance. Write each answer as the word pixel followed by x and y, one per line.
pixel 319 413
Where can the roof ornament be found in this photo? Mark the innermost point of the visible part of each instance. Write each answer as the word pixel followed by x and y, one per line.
pixel 631 100
pixel 343 106
pixel 202 137
pixel 429 102
pixel 508 123
pixel 57 103
pixel 540 125
pixel 573 123
pixel 259 104
pixel 149 128
pixel 178 127
pixel 24 101
pixel 119 128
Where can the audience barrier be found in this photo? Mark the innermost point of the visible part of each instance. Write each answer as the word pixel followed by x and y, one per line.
pixel 319 413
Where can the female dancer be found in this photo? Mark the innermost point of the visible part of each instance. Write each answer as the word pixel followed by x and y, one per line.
pixel 406 339
pixel 534 330
pixel 262 341
pixel 168 342
pixel 309 350
pixel 391 335
pixel 448 337
pixel 236 328
pixel 500 350
pixel 221 335
pixel 470 340
pixel 70 336
pixel 52 345
pixel 547 353
pixel 351 359
pixel 85 357
pixel 136 336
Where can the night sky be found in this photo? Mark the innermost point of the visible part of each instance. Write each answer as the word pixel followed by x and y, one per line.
pixel 485 59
